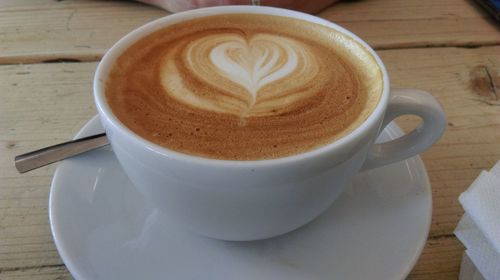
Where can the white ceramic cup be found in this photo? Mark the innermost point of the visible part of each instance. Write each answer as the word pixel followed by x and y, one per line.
pixel 249 200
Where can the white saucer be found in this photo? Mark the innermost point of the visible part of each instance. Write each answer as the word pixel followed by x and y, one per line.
pixel 104 229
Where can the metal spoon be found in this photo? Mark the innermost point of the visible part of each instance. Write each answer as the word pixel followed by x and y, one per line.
pixel 48 155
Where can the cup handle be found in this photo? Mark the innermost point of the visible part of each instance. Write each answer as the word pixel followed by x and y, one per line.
pixel 408 102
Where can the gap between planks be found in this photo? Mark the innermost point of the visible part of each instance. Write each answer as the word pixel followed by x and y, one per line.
pixel 97 56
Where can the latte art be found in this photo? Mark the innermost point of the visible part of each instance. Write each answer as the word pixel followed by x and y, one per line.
pixel 254 75
pixel 244 86
pixel 256 62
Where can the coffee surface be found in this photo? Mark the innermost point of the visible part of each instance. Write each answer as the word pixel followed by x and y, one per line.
pixel 244 86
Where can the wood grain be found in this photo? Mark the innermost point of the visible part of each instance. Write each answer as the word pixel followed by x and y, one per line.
pixel 48 103
pixel 41 105
pixel 470 143
pixel 440 260
pixel 387 24
pixel 45 272
pixel 48 30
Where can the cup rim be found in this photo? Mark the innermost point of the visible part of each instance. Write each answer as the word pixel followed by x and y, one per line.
pixel 125 42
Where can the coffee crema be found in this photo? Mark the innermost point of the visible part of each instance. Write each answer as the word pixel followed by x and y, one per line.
pixel 244 86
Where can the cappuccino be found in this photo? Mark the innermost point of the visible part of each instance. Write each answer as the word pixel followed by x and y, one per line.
pixel 244 86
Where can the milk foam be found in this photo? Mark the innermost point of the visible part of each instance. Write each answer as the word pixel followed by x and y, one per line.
pixel 239 65
pixel 254 63
pixel 244 86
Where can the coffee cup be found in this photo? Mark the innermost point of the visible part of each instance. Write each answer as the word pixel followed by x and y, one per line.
pixel 248 188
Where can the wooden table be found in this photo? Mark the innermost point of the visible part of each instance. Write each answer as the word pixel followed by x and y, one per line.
pixel 49 51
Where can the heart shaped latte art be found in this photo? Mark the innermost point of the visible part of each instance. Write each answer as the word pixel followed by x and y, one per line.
pixel 254 64
pixel 230 73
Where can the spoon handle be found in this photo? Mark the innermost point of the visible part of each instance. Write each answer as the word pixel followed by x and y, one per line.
pixel 48 155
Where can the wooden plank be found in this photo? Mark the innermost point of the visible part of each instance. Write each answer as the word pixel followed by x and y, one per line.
pixel 44 272
pixel 440 259
pixel 470 143
pixel 41 104
pixel 46 30
pixel 48 103
pixel 388 24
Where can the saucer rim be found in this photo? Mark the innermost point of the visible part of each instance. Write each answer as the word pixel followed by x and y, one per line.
pixel 71 263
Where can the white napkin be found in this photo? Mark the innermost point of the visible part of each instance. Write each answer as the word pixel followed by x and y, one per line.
pixel 468 270
pixel 479 228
